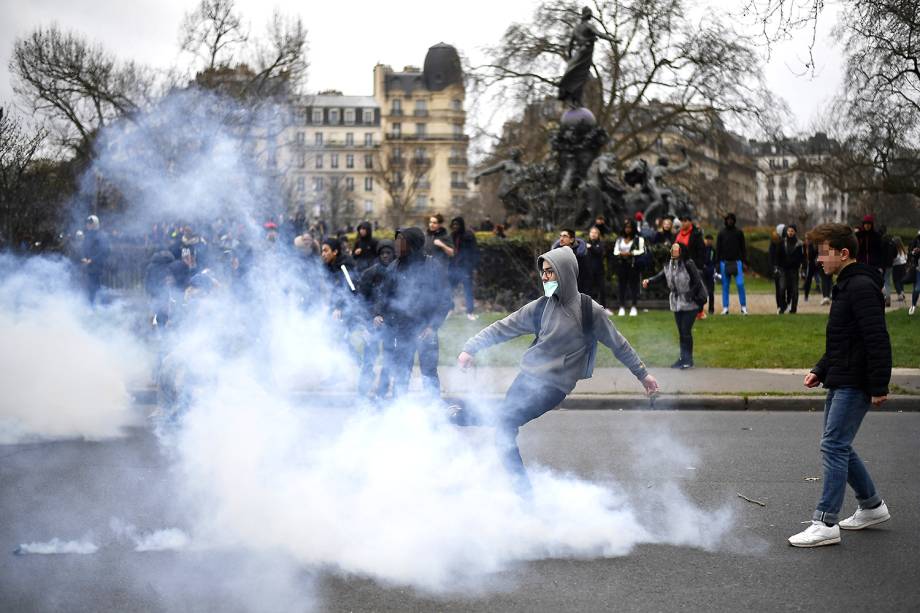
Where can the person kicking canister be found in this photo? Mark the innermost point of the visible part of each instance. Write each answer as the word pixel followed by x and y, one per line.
pixel 567 326
pixel 855 369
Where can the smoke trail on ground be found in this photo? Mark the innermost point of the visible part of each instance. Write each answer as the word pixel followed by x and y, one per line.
pixel 57 546
pixel 65 369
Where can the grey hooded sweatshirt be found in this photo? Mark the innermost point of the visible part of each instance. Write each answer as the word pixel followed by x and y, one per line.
pixel 560 357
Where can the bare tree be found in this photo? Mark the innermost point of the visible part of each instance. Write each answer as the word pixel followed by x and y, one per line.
pixel 213 31
pixel 17 152
pixel 77 86
pixel 658 72
pixel 403 179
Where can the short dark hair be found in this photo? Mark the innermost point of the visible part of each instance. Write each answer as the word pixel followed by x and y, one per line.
pixel 837 235
pixel 569 231
pixel 334 244
pixel 438 217
pixel 708 236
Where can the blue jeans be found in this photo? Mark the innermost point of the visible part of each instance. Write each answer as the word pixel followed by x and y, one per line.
pixel 844 410
pixel 916 293
pixel 727 269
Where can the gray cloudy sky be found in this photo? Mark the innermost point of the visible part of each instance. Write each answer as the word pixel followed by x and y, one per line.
pixel 347 38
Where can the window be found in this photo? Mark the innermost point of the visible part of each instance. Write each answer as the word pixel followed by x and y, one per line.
pixel 349 117
pixel 420 129
pixel 350 184
pixel 397 154
pixel 301 160
pixel 368 184
pixel 318 139
pixel 300 116
pixel 368 206
pixel 333 160
pixel 318 184
pixel 334 116
pixel 421 202
pixel 317 115
pixel 421 108
pixel 300 138
pixel 397 130
pixel 367 116
pixel 300 184
pixel 458 130
pixel 369 138
pixel 456 104
pixel 319 160
pixel 454 178
pixel 349 139
pixel 396 107
pixel 421 156
pixel 349 161
pixel 369 162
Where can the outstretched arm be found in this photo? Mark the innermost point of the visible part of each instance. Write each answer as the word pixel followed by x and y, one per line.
pixel 608 335
pixel 491 170
pixel 514 325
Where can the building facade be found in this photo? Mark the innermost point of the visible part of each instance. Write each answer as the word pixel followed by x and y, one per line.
pixel 787 192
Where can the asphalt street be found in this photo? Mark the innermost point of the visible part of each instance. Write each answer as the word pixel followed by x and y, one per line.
pixel 74 489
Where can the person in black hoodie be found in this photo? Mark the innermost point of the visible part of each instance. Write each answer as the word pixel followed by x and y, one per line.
pixel 365 251
pixel 595 258
pixel 372 282
pixel 731 257
pixel 342 281
pixel 871 249
pixel 790 255
pixel 156 286
pixel 95 255
pixel 856 370
pixel 464 261
pixel 412 304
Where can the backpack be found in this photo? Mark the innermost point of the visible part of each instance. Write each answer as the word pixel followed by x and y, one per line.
pixel 587 328
pixel 698 293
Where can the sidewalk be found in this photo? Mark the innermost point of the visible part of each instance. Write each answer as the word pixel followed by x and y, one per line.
pixel 617 389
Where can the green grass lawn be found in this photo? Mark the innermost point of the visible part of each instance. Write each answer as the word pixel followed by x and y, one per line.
pixel 755 341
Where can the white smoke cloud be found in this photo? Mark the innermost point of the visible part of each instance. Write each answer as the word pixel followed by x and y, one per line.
pixel 58 546
pixel 65 370
pixel 167 539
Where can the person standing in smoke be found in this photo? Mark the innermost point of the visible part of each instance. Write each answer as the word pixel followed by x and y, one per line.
pixel 856 370
pixel 412 305
pixel 365 251
pixel 95 254
pixel 372 282
pixel 463 263
pixel 156 285
pixel 567 326
pixel 341 278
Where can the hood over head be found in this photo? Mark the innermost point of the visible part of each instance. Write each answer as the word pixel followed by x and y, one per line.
pixel 385 244
pixel 415 241
pixel 730 217
pixel 460 223
pixel 367 226
pixel 565 264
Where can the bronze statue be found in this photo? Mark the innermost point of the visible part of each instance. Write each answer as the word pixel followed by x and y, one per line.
pixel 512 176
pixel 581 57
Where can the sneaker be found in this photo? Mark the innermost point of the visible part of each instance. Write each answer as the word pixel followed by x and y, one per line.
pixel 472 316
pixel 744 310
pixel 863 518
pixel 912 310
pixel 686 365
pixel 633 312
pixel 621 312
pixel 725 311
pixel 816 535
pixel 779 311
pixel 901 298
pixel 701 315
pixel 677 364
pixel 825 301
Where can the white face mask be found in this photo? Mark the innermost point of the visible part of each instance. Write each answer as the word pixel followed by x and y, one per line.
pixel 549 288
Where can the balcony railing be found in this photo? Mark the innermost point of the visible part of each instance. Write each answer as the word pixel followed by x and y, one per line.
pixel 457 161
pixel 421 161
pixel 458 185
pixel 396 112
pixel 427 137
pixel 420 112
pixel 397 162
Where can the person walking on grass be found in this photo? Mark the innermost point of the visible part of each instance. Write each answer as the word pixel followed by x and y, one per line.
pixel 688 295
pixel 913 259
pixel 567 326
pixel 856 370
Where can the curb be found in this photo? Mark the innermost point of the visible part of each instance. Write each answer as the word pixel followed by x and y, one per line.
pixel 621 402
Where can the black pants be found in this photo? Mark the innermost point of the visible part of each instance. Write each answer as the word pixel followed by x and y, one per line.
pixel 628 280
pixel 405 344
pixel 527 399
pixel 789 288
pixel 897 276
pixel 710 283
pixel 598 285
pixel 685 320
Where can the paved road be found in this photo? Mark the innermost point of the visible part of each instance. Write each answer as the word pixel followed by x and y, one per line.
pixel 75 488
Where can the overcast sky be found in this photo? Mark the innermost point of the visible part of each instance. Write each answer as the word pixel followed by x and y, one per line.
pixel 348 38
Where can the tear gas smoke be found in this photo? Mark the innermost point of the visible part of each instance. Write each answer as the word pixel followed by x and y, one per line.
pixel 57 546
pixel 396 493
pixel 65 370
pixel 168 539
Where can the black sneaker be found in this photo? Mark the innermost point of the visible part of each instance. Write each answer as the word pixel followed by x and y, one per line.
pixel 678 364
pixel 686 365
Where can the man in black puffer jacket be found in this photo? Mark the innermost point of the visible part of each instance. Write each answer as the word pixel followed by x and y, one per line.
pixel 855 369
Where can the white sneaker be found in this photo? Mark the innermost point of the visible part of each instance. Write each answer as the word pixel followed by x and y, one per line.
pixel 633 312
pixel 725 311
pixel 912 310
pixel 472 316
pixel 825 301
pixel 863 518
pixel 744 310
pixel 816 535
pixel 621 312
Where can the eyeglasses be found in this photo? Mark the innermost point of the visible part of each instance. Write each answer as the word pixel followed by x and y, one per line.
pixel 547 272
